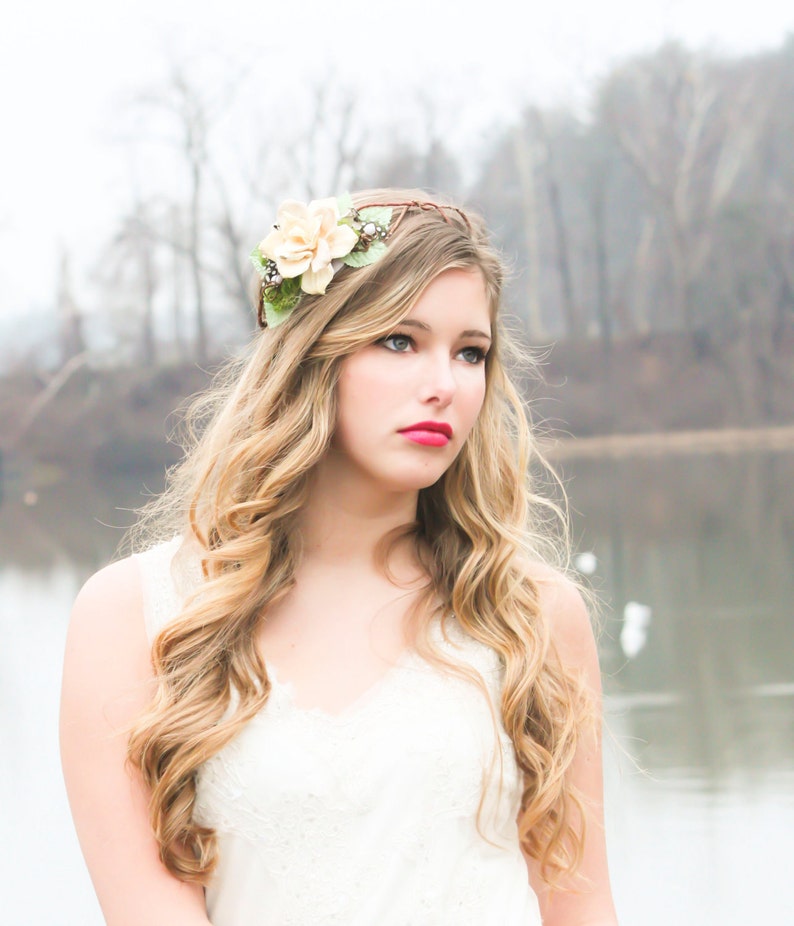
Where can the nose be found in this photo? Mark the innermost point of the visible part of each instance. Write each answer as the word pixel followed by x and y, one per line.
pixel 438 380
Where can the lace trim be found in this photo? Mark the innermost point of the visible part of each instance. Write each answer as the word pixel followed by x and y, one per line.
pixel 414 696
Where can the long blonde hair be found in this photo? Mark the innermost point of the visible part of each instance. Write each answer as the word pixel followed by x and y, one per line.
pixel 261 430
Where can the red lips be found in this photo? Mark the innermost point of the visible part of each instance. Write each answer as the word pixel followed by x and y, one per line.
pixel 440 427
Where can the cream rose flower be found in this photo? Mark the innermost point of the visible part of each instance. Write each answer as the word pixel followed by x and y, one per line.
pixel 306 240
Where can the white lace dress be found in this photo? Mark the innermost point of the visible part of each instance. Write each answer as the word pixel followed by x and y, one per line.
pixel 369 817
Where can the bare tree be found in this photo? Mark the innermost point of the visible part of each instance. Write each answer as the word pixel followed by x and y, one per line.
pixel 333 141
pixel 597 160
pixel 72 339
pixel 193 119
pixel 525 153
pixel 689 130
pixel 570 309
pixel 130 268
pixel 191 115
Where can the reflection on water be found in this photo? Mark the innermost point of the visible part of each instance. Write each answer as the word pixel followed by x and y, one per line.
pixel 706 543
pixel 82 521
pixel 706 706
pixel 51 538
pixel 699 827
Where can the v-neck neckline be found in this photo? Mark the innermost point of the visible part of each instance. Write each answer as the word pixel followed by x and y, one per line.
pixel 359 705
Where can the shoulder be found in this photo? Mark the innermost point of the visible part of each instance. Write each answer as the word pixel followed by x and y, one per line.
pixel 115 589
pixel 107 662
pixel 564 609
pixel 107 616
pixel 560 599
pixel 120 578
pixel 140 586
pixel 121 608
pixel 107 684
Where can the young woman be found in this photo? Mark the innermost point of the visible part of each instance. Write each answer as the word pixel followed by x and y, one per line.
pixel 349 686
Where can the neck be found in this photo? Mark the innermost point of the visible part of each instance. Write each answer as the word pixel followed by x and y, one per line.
pixel 345 517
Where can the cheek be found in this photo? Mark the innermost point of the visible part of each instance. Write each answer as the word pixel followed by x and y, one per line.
pixel 364 395
pixel 475 397
pixel 372 371
pixel 481 392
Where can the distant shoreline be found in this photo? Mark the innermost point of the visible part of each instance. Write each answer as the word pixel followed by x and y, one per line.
pixel 663 443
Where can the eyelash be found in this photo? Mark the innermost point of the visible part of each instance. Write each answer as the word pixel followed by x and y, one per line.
pixel 407 337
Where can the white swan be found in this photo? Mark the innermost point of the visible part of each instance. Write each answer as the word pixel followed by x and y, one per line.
pixel 633 635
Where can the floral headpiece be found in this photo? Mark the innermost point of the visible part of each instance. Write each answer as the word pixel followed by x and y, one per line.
pixel 308 244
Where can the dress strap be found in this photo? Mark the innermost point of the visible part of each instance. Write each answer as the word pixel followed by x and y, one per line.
pixel 166 577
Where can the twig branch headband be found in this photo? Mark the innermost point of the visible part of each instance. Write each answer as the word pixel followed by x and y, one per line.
pixel 308 244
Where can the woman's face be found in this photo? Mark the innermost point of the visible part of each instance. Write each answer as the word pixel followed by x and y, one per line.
pixel 407 403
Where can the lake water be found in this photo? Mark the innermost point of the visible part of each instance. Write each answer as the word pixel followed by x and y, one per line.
pixel 692 556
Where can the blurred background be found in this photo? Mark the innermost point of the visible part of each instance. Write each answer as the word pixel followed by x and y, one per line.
pixel 635 163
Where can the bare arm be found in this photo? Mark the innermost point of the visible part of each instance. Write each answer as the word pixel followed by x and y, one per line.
pixel 584 900
pixel 107 681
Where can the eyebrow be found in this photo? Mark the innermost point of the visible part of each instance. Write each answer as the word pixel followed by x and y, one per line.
pixel 468 333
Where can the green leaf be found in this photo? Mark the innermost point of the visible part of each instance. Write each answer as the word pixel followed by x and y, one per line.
pixel 364 258
pixel 274 317
pixel 344 203
pixel 281 300
pixel 290 292
pixel 258 259
pixel 380 215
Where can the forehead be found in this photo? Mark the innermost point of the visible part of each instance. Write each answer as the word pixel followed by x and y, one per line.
pixel 456 299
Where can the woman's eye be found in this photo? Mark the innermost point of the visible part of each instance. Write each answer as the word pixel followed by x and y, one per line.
pixel 473 354
pixel 397 342
pixel 403 343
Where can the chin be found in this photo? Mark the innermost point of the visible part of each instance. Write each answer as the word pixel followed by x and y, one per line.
pixel 412 482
